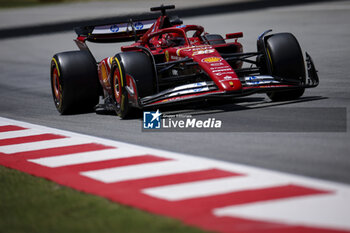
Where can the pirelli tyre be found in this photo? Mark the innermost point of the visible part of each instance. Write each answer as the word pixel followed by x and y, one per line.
pixel 286 61
pixel 132 65
pixel 74 82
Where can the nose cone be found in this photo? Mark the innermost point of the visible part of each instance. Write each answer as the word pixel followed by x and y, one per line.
pixel 219 71
pixel 214 65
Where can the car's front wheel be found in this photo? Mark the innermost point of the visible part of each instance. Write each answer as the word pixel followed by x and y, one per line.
pixel 286 61
pixel 120 94
pixel 135 66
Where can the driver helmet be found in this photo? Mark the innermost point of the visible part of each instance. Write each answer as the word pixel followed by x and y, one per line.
pixel 172 40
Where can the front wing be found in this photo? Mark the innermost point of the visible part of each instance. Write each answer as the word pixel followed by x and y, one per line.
pixel 250 85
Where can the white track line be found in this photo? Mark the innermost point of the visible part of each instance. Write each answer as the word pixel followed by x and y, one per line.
pixel 54 143
pixel 315 210
pixel 3 123
pixel 20 133
pixel 86 157
pixel 321 210
pixel 212 187
pixel 143 171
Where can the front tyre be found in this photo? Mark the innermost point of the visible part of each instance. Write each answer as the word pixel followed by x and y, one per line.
pixel 120 95
pixel 127 68
pixel 74 82
pixel 286 61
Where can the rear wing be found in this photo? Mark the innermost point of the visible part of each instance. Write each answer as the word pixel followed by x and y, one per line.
pixel 118 32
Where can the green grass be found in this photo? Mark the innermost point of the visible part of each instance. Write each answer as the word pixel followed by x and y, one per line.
pixel 31 204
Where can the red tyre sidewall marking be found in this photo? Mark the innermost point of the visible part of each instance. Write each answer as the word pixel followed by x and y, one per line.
pixel 56 83
pixel 117 85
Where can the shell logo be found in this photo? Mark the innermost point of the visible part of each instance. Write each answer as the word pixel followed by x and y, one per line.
pixel 211 59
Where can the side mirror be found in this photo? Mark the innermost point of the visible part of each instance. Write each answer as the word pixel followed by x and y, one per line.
pixel 234 35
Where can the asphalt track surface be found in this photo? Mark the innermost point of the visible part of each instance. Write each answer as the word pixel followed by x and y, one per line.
pixel 255 138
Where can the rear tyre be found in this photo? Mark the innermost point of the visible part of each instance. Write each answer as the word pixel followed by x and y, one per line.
pixel 131 65
pixel 74 82
pixel 214 39
pixel 286 60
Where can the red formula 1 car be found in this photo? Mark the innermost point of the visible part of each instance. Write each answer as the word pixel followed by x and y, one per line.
pixel 173 63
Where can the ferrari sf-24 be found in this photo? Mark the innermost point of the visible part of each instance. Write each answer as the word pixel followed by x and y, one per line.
pixel 171 62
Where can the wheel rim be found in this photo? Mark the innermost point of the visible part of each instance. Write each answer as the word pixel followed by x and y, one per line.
pixel 56 85
pixel 116 86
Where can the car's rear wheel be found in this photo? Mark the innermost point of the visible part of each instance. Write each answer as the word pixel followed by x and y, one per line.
pixel 138 67
pixel 74 82
pixel 286 60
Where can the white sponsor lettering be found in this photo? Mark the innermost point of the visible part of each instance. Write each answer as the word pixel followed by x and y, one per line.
pixel 220 70
pixel 220 67
pixel 203 52
pixel 217 64
pixel 223 73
